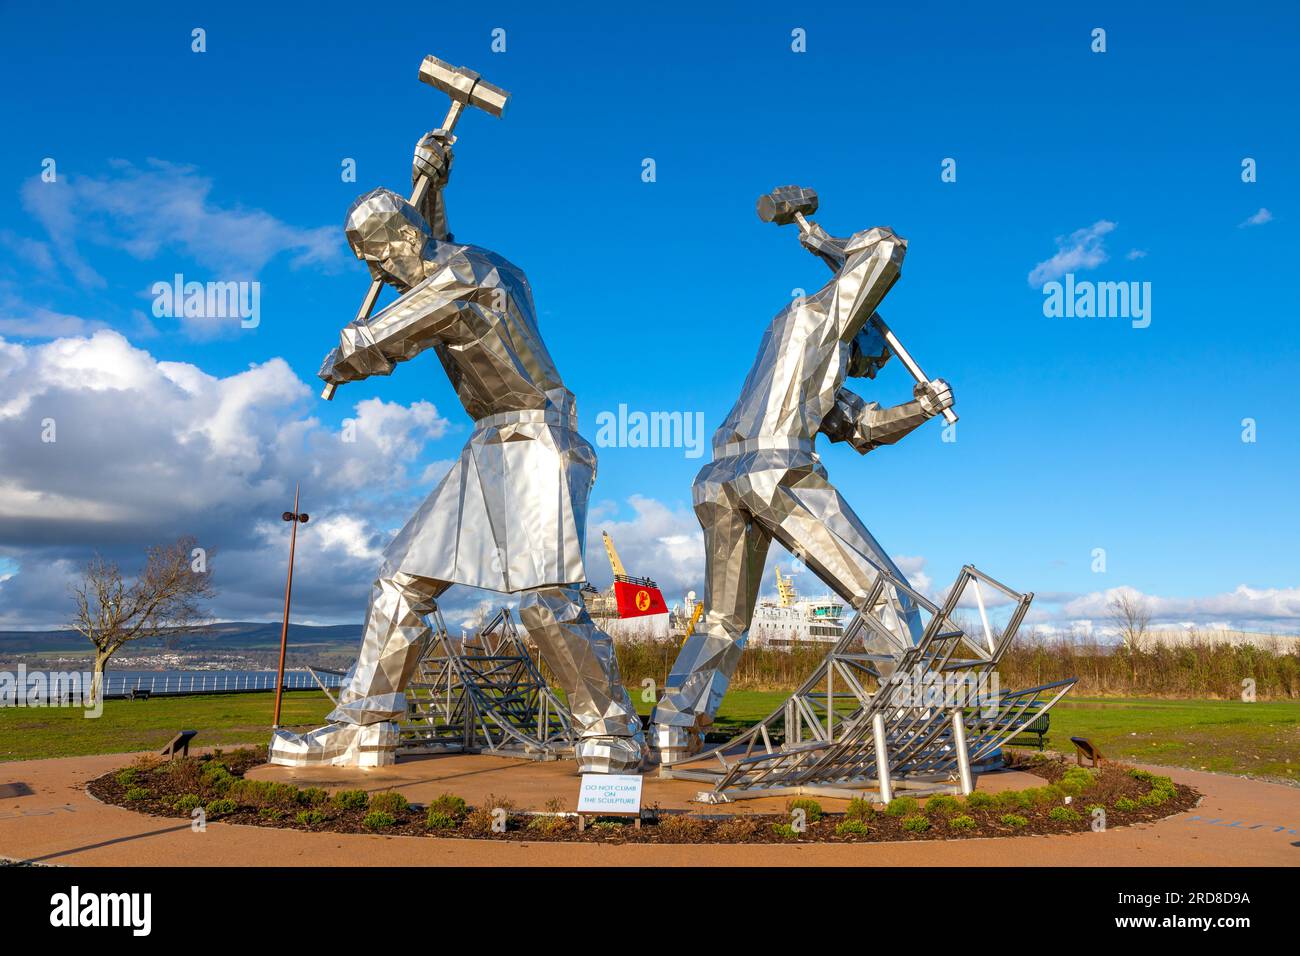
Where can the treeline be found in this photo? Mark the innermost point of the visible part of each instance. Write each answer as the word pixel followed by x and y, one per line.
pixel 1194 669
pixel 1200 670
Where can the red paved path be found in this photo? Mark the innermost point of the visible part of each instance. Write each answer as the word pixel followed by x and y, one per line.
pixel 58 823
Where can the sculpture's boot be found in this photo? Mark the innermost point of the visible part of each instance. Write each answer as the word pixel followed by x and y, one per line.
pixel 581 656
pixel 363 730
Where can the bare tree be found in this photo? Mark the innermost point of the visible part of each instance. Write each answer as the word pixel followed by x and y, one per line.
pixel 1131 617
pixel 164 600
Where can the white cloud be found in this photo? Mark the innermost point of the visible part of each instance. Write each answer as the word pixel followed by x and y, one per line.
pixel 661 542
pixel 1082 249
pixel 1258 219
pixel 1244 607
pixel 164 207
pixel 1133 254
pixel 146 450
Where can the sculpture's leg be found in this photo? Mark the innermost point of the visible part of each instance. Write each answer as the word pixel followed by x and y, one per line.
pixel 363 730
pixel 581 656
pixel 735 550
pixel 814 522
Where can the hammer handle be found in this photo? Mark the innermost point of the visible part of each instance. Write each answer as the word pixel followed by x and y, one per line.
pixel 891 339
pixel 417 197
pixel 909 363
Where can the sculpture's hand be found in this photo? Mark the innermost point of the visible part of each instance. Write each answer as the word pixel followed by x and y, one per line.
pixel 823 245
pixel 362 363
pixel 934 396
pixel 331 371
pixel 433 157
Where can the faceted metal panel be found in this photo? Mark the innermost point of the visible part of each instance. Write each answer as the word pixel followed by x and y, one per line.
pixel 511 514
pixel 766 481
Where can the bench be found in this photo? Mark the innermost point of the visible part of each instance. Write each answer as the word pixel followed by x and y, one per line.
pixel 138 693
pixel 1036 727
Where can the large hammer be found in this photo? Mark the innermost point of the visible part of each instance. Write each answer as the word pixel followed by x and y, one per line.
pixel 466 88
pixel 787 204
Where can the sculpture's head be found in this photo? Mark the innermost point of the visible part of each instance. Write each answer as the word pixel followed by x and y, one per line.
pixel 868 352
pixel 390 236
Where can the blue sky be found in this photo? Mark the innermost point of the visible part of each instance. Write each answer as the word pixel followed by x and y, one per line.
pixel 1075 434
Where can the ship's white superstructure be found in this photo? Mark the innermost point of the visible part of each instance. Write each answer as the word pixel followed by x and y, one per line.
pixel 790 620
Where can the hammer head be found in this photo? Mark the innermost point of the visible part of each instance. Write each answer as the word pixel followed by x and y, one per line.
pixel 464 85
pixel 781 204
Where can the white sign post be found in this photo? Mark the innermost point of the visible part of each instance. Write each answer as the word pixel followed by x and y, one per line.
pixel 608 795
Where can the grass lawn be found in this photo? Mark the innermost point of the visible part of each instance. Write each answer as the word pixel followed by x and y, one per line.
pixel 1227 736
pixel 127 725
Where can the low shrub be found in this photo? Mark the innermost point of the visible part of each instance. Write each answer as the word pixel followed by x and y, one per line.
pixel 1014 820
pixel 217 776
pixel 378 820
pixel 1064 814
pixel 310 818
pixel 451 805
pixel 852 826
pixel 962 822
pixel 736 830
pixel 1076 780
pixel 271 813
pixel 681 828
pixel 859 809
pixel 351 800
pixel 901 806
pixel 1012 800
pixel 811 808
pixel 941 806
pixel 916 824
pixel 183 772
pixel 147 763
pixel 1045 796
pixel 187 803
pixel 479 820
pixel 980 800
pixel 138 793
pixel 390 801
pixel 313 796
pixel 127 777
pixel 1154 798
pixel 1125 804
pixel 221 807
pixel 438 820
pixel 262 793
pixel 785 831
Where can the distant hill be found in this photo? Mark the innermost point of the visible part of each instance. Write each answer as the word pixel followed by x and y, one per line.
pixel 229 636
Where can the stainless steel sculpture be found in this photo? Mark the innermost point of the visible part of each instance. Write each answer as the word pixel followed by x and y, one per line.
pixel 766 482
pixel 866 724
pixel 483 693
pixel 510 516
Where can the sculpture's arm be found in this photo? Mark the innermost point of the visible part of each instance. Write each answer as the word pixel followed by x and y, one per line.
pixel 865 425
pixel 866 266
pixel 417 320
pixel 874 264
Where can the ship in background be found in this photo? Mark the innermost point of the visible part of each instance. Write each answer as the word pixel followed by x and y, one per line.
pixel 792 621
pixel 632 609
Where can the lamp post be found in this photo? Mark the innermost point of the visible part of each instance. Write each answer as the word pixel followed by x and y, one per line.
pixel 297 518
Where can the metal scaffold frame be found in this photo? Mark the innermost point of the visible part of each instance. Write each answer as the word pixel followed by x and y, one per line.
pixel 484 694
pixel 864 724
